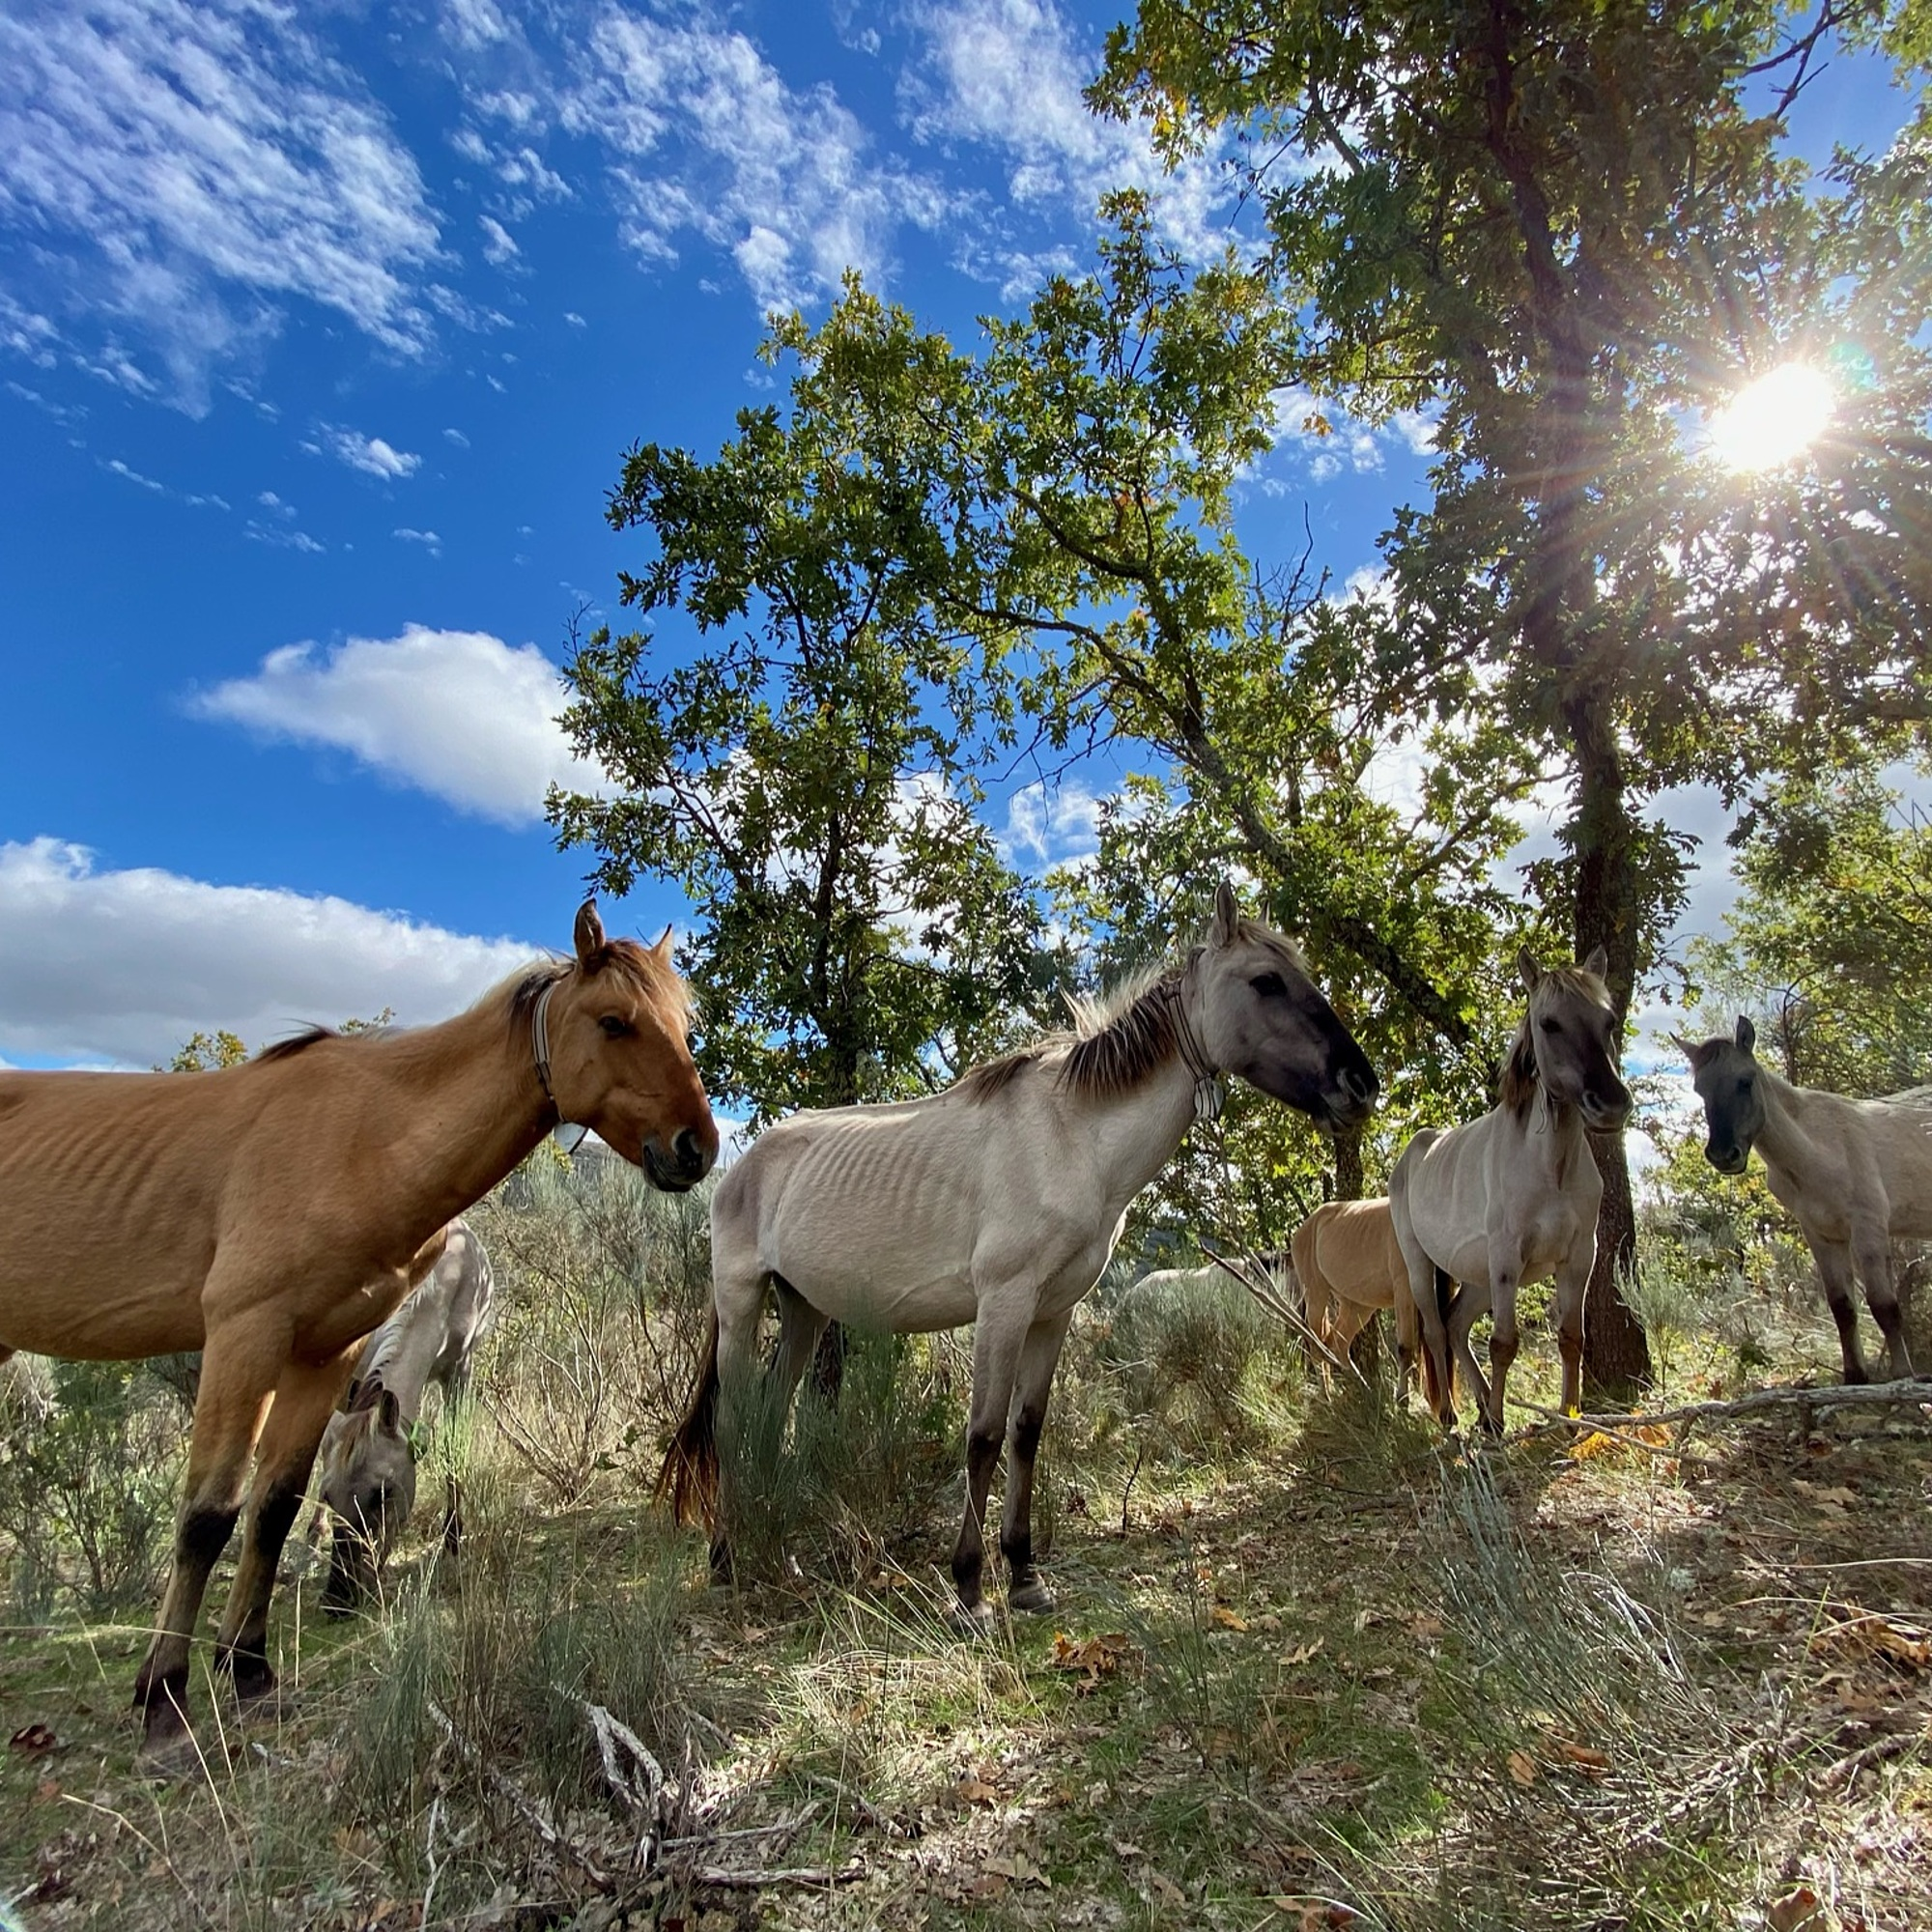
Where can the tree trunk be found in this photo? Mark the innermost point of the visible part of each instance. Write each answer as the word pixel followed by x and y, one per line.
pixel 1349 1163
pixel 1616 1352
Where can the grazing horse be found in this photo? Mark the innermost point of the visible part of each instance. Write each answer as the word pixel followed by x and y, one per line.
pixel 368 1455
pixel 998 1201
pixel 1349 1265
pixel 1514 1195
pixel 1856 1172
pixel 271 1215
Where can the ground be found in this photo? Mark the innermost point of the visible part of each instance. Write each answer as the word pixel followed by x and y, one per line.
pixel 1339 1672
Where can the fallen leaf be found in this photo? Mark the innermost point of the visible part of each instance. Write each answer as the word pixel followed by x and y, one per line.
pixel 1228 1619
pixel 1302 1653
pixel 1165 1888
pixel 32 1739
pixel 1798 1911
pixel 976 1791
pixel 1095 1657
pixel 1523 1768
pixel 1425 1626
pixel 1583 1755
pixel 1364 1618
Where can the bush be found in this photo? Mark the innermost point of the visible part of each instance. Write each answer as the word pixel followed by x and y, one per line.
pixel 90 1465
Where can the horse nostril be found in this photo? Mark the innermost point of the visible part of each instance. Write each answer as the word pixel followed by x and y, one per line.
pixel 689 1152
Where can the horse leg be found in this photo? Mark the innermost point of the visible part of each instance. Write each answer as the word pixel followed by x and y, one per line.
pixel 738 1294
pixel 1468 1302
pixel 1039 1357
pixel 1834 1270
pixel 1874 1258
pixel 997 1347
pixel 237 1372
pixel 1504 1341
pixel 1573 1280
pixel 1429 1328
pixel 306 1396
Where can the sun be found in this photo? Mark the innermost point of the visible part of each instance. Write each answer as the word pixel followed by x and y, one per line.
pixel 1772 419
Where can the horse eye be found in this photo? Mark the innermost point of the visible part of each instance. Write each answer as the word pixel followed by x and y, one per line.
pixel 1550 1025
pixel 1269 985
pixel 613 1027
pixel 1744 1085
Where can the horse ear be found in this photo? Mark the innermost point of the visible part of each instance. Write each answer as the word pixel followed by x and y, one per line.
pixel 590 932
pixel 1227 916
pixel 1598 963
pixel 1693 1050
pixel 663 948
pixel 389 1413
pixel 1525 964
pixel 1747 1035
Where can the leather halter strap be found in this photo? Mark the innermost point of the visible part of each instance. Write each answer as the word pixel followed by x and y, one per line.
pixel 540 1039
pixel 1207 1089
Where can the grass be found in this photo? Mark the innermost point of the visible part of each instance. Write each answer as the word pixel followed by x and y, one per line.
pixel 1304 1654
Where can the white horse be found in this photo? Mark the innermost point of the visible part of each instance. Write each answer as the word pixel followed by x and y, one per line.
pixel 1514 1195
pixel 998 1201
pixel 368 1456
pixel 1856 1172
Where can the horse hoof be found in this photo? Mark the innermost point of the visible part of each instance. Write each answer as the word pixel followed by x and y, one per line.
pixel 1032 1599
pixel 971 1620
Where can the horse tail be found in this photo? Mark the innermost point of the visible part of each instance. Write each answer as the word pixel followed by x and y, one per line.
pixel 689 1477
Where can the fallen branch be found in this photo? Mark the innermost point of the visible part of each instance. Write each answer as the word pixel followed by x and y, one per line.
pixel 1859 1396
pixel 1595 1424
pixel 521 1803
pixel 1847 1769
pixel 1257 1281
pixel 751 1881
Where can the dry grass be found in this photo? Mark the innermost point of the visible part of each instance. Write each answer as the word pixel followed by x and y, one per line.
pixel 1307 1661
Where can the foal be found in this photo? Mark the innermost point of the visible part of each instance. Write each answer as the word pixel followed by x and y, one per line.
pixel 1857 1174
pixel 368 1482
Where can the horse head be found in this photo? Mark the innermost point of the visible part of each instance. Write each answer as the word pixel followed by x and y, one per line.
pixel 369 1483
pixel 1726 1074
pixel 611 1036
pixel 1256 1011
pixel 1567 1041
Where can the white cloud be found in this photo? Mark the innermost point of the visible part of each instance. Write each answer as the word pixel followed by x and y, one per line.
pixel 369 454
pixel 192 164
pixel 457 714
pixel 500 246
pixel 429 539
pixel 712 140
pixel 122 966
pixel 456 437
pixel 1051 826
pixel 1008 74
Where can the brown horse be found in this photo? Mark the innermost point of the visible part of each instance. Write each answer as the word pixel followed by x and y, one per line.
pixel 273 1213
pixel 1350 1265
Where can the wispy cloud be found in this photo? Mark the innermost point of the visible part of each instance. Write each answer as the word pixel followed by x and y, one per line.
pixel 429 539
pixel 1007 76
pixel 195 167
pixel 124 965
pixel 500 246
pixel 194 499
pixel 711 141
pixel 458 714
pixel 369 454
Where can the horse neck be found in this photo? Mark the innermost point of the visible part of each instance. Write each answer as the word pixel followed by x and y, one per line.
pixel 1783 1140
pixel 1136 1133
pixel 416 1345
pixel 1551 1133
pixel 470 1108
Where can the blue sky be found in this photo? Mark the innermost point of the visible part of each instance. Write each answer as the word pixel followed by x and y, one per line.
pixel 322 332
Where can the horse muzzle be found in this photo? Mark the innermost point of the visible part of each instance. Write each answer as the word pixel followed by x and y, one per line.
pixel 1606 1117
pixel 1727 1161
pixel 1353 1097
pixel 682 1166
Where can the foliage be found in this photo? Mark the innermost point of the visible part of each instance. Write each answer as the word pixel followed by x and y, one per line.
pixel 1830 943
pixel 204 1052
pixel 89 1469
pixel 808 777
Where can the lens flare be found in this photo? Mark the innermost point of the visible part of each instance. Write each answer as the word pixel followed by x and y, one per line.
pixel 1772 419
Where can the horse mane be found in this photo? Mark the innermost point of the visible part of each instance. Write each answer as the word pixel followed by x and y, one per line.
pixel 1517 1083
pixel 1115 1042
pixel 626 956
